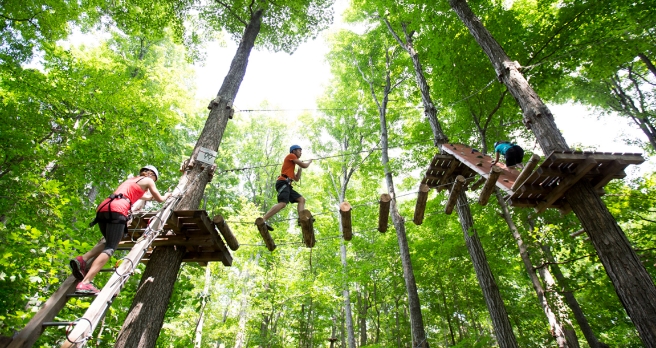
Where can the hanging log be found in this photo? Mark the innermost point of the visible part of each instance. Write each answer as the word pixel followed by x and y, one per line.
pixel 307 227
pixel 383 214
pixel 478 183
pixel 227 234
pixel 458 184
pixel 345 212
pixel 268 241
pixel 489 185
pixel 420 207
pixel 526 172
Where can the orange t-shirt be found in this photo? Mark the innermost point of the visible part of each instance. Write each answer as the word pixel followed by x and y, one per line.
pixel 288 166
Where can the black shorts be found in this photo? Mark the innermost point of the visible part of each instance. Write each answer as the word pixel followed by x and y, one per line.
pixel 286 193
pixel 514 155
pixel 112 231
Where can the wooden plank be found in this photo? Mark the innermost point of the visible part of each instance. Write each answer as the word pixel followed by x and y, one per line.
pixel 531 203
pixel 490 183
pixel 171 240
pixel 383 212
pixel 447 174
pixel 453 195
pixel 630 158
pixel 526 172
pixel 231 240
pixel 345 212
pixel 307 227
pixel 31 332
pixel 268 241
pixel 582 169
pixel 420 206
pixel 226 257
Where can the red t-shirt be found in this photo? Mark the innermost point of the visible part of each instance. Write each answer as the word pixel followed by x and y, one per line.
pixel 129 189
pixel 288 166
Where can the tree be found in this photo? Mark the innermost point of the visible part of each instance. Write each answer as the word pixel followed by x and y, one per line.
pixel 632 282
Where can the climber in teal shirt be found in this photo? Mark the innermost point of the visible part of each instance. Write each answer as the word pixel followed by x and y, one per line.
pixel 513 153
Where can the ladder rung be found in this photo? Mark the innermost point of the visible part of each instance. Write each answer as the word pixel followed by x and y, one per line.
pixel 108 270
pixel 58 323
pixel 75 294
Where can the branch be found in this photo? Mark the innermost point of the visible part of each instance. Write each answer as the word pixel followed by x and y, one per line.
pixel 562 262
pixel 556 34
pixel 396 37
pixel 229 9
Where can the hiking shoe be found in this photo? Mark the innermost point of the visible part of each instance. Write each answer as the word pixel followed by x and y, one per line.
pixel 79 267
pixel 86 288
pixel 269 227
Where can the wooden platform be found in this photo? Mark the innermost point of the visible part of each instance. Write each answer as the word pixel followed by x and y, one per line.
pixel 545 187
pixel 192 229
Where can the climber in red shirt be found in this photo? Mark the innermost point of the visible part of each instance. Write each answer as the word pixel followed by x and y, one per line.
pixel 286 193
pixel 112 217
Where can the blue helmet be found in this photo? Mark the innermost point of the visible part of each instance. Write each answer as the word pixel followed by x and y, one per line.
pixel 294 147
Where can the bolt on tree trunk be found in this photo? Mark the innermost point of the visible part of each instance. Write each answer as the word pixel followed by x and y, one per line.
pixel 146 315
pixel 632 282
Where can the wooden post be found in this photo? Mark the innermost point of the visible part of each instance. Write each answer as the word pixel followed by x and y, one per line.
pixel 420 207
pixel 227 234
pixel 383 214
pixel 307 227
pixel 268 241
pixel 458 184
pixel 345 212
pixel 478 183
pixel 526 172
pixel 488 188
pixel 31 332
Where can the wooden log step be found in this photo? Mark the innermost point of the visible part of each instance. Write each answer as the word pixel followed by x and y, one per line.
pixel 420 207
pixel 458 184
pixel 526 172
pixel 383 212
pixel 345 212
pixel 566 183
pixel 489 186
pixel 307 226
pixel 264 232
pixel 227 234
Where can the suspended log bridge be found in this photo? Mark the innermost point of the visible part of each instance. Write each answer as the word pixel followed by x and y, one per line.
pixel 345 212
pixel 307 226
pixel 227 234
pixel 383 212
pixel 192 229
pixel 264 232
pixel 542 188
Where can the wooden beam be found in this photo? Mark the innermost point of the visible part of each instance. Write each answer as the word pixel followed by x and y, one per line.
pixel 268 241
pixel 31 332
pixel 447 174
pixel 174 239
pixel 531 203
pixel 582 169
pixel 526 172
pixel 478 183
pixel 345 212
pixel 227 234
pixel 458 184
pixel 577 233
pixel 490 183
pixel 420 207
pixel 383 212
pixel 610 172
pixel 307 227
pixel 630 158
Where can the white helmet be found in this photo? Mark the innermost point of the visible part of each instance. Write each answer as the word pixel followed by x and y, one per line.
pixel 149 167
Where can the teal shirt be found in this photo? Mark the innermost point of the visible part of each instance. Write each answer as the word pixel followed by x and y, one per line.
pixel 503 147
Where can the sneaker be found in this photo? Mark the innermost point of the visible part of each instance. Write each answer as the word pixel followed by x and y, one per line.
pixel 79 267
pixel 86 288
pixel 269 227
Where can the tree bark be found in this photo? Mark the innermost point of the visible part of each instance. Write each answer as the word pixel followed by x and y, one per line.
pixel 346 294
pixel 147 303
pixel 571 301
pixel 556 328
pixel 502 328
pixel 146 316
pixel 632 283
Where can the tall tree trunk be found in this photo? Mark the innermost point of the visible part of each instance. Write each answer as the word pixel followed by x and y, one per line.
pixel 141 328
pixel 648 63
pixel 633 285
pixel 502 328
pixel 346 294
pixel 571 301
pixel 447 313
pixel 362 317
pixel 146 317
pixel 201 318
pixel 560 310
pixel 556 328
